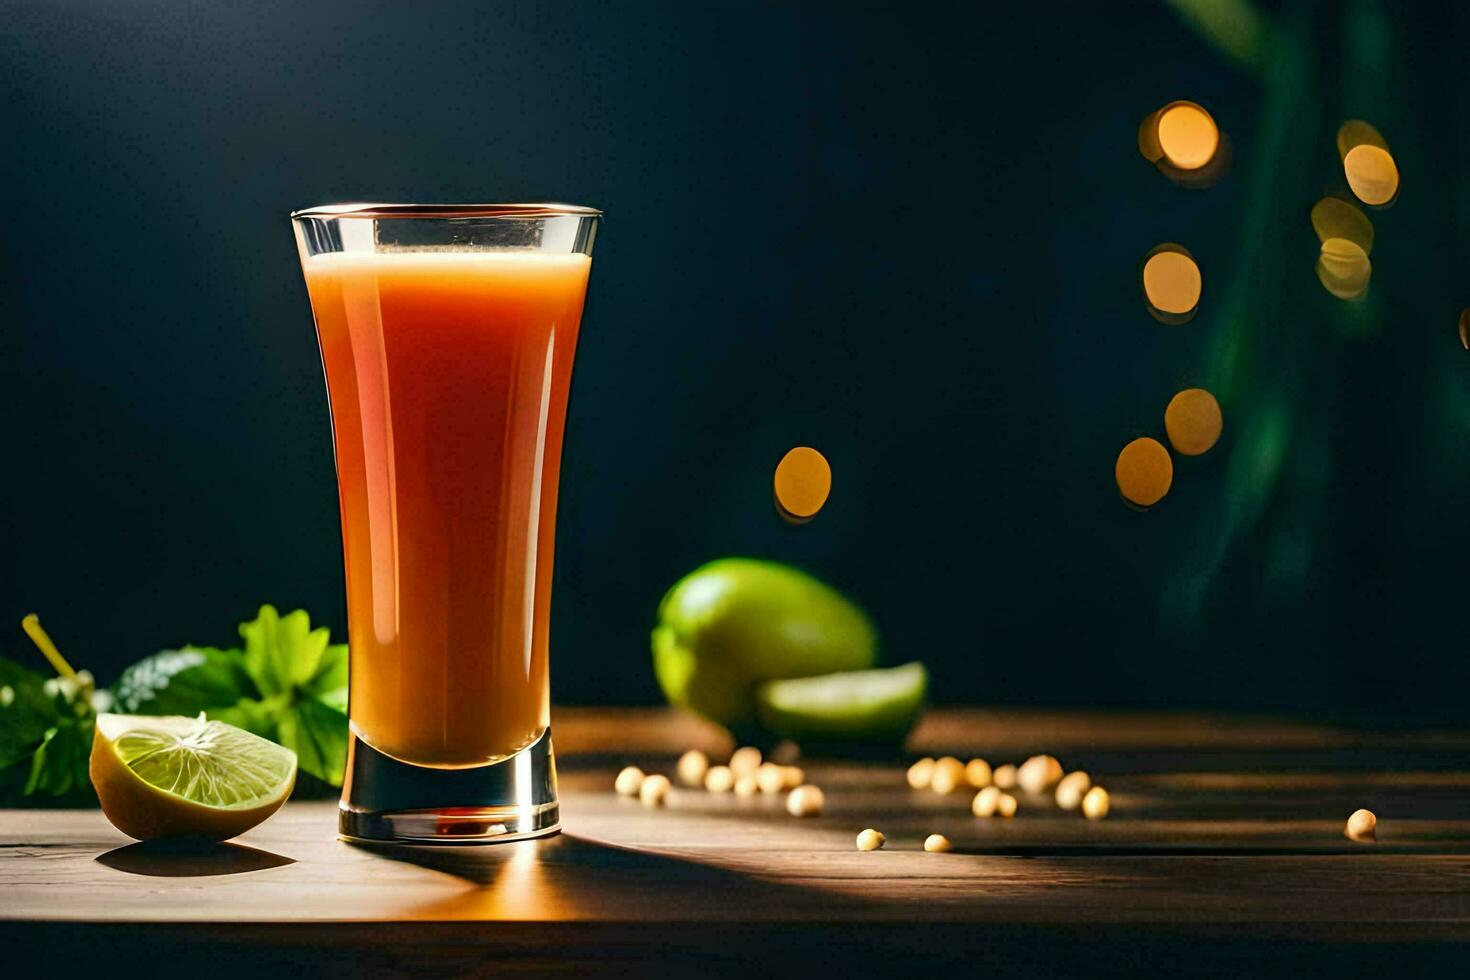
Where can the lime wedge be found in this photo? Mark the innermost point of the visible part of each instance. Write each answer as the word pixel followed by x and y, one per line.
pixel 172 776
pixel 856 705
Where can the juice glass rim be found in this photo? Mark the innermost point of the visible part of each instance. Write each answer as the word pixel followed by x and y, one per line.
pixel 545 210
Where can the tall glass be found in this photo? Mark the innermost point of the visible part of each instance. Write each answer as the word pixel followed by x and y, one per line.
pixel 447 335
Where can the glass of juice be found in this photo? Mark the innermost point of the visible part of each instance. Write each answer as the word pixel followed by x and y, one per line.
pixel 447 335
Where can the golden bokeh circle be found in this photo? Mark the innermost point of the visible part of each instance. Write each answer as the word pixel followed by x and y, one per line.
pixel 1193 421
pixel 1371 173
pixel 1332 217
pixel 803 481
pixel 1144 472
pixel 1343 268
pixel 1187 135
pixel 1465 328
pixel 1171 281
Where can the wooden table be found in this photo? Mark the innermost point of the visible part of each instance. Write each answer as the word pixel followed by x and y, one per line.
pixel 1224 853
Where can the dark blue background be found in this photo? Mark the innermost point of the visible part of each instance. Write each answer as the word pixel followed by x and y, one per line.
pixel 906 234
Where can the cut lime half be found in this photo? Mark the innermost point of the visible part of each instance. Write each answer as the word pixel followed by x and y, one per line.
pixel 172 776
pixel 857 705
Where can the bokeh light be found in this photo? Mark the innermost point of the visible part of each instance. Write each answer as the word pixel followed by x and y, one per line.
pixel 802 483
pixel 1367 163
pixel 1188 135
pixel 1193 421
pixel 1332 217
pixel 1465 328
pixel 1171 283
pixel 1183 141
pixel 1344 269
pixel 1144 472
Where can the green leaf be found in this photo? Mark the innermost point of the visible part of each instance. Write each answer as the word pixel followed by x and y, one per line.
pixel 329 684
pixel 26 712
pixel 317 733
pixel 183 682
pixel 257 717
pixel 282 652
pixel 59 763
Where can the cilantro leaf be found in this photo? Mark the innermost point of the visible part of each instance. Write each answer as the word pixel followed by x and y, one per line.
pixel 282 652
pixel 317 733
pixel 183 682
pixel 329 684
pixel 26 712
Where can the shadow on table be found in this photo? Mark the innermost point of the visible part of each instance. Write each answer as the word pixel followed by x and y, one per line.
pixel 190 859
pixel 567 877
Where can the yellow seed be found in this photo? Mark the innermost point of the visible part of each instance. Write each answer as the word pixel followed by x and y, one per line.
pixel 1362 826
pixel 936 843
pixel 805 801
pixel 949 775
pixel 745 760
pixel 977 773
pixel 746 785
pixel 628 781
pixel 1095 803
pixel 692 767
pixel 792 777
pixel 985 802
pixel 770 777
pixel 1072 788
pixel 870 840
pixel 921 773
pixel 719 779
pixel 1038 774
pixel 1004 776
pixel 654 791
pixel 1006 806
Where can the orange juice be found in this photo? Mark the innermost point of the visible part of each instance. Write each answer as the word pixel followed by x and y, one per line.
pixel 448 372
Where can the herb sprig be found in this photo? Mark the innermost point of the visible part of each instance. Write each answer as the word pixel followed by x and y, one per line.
pixel 285 681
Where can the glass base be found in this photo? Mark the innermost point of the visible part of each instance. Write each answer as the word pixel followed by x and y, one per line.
pixel 387 801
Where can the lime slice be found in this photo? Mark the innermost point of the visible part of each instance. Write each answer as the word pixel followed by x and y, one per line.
pixel 857 705
pixel 186 777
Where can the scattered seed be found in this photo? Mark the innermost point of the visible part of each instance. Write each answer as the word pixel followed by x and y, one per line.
pixel 1038 774
pixel 1072 788
pixel 1362 826
pixel 805 801
pixel 1095 804
pixel 792 777
pixel 921 773
pixel 985 802
pixel 936 843
pixel 770 778
pixel 654 790
pixel 949 775
pixel 977 773
pixel 747 785
pixel 745 760
pixel 719 779
pixel 1004 776
pixel 692 767
pixel 1006 805
pixel 870 840
pixel 628 781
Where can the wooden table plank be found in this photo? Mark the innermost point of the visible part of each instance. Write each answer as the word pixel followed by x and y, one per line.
pixel 1218 856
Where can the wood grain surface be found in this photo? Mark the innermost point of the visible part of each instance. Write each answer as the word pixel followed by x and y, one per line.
pixel 1224 847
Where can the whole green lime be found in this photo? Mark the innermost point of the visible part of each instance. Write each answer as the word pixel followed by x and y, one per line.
pixel 731 624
